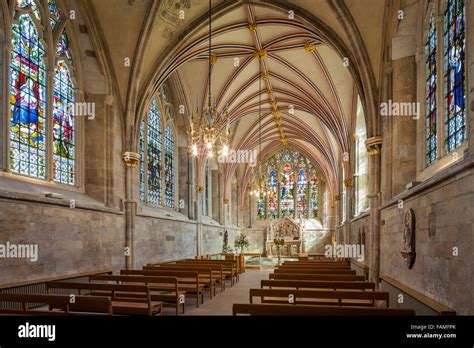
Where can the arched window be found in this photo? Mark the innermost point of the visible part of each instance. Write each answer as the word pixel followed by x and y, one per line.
pixel 455 75
pixel 29 91
pixel 287 182
pixel 261 205
pixel 272 199
pixel 28 98
pixel 314 198
pixel 63 116
pixel 302 189
pixel 431 88
pixel 284 187
pixel 169 168
pixel 158 154
pixel 151 147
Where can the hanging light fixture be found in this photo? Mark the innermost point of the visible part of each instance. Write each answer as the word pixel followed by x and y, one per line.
pixel 212 126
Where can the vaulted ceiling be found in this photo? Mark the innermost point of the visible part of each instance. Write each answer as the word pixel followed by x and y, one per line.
pixel 266 60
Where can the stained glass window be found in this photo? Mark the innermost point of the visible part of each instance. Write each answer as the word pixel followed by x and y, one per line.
pixel 454 52
pixel 28 98
pixel 314 197
pixel 32 5
pixel 62 48
pixel 154 154
pixel 261 206
pixel 302 201
pixel 55 14
pixel 272 199
pixel 63 126
pixel 142 161
pixel 169 168
pixel 431 87
pixel 287 181
pixel 281 174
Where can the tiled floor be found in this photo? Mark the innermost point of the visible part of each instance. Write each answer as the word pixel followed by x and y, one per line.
pixel 221 304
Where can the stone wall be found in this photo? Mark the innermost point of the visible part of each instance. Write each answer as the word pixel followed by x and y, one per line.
pixel 443 221
pixel 360 225
pixel 159 239
pixel 70 241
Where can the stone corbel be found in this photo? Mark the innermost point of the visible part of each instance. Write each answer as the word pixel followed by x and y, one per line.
pixel 348 183
pixel 131 159
pixel 374 145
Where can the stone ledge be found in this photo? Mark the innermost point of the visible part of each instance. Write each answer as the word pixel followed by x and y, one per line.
pixel 462 168
pixel 435 306
pixel 24 197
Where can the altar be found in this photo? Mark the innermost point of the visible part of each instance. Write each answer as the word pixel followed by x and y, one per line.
pixel 290 232
pixel 291 248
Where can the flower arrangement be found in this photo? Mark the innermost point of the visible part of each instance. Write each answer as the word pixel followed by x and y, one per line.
pixel 241 242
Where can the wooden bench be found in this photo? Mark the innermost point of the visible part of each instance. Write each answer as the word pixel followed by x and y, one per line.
pixel 162 288
pixel 188 283
pixel 308 265
pixel 93 304
pixel 311 284
pixel 217 270
pixel 231 266
pixel 299 276
pixel 126 299
pixel 315 271
pixel 302 310
pixel 320 297
pixel 209 275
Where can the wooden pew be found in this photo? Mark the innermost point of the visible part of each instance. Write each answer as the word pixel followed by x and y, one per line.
pixel 315 271
pixel 331 277
pixel 311 284
pixel 308 265
pixel 162 288
pixel 126 299
pixel 93 304
pixel 232 265
pixel 320 297
pixel 315 263
pixel 228 269
pixel 188 282
pixel 302 310
pixel 210 275
pixel 218 273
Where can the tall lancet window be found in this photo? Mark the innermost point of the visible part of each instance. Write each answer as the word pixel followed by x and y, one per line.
pixel 169 168
pixel 272 199
pixel 151 147
pixel 302 189
pixel 63 116
pixel 314 197
pixel 287 182
pixel 28 79
pixel 455 74
pixel 431 87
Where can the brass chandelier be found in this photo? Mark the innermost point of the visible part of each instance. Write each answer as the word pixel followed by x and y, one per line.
pixel 211 129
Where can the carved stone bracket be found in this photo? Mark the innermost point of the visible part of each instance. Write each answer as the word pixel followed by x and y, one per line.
pixel 131 159
pixel 374 145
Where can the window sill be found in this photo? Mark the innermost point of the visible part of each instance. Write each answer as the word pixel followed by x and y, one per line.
pixel 34 191
pixel 162 213
pixel 443 163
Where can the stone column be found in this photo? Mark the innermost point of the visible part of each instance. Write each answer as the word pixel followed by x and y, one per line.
pixel 374 146
pixel 199 198
pixel 131 160
pixel 349 197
